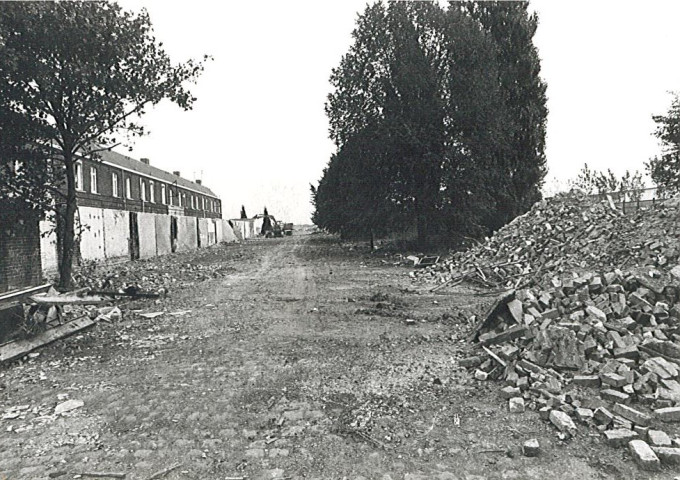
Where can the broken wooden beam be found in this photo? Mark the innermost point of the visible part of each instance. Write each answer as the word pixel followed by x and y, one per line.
pixel 68 299
pixel 19 348
pixel 16 295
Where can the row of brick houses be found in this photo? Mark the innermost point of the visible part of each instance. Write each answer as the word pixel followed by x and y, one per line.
pixel 128 209
pixel 120 182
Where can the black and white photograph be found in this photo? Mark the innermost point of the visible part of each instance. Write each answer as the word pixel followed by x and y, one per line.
pixel 339 240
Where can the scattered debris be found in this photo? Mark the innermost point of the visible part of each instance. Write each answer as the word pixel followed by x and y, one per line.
pixel 103 474
pixel 67 406
pixel 164 472
pixel 531 448
pixel 18 349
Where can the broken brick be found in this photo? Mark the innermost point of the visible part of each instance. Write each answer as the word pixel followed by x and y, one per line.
pixel 643 455
pixel 635 416
pixel 619 437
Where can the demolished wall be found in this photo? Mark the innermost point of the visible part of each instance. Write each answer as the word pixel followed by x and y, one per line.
pixel 106 235
pixel 19 252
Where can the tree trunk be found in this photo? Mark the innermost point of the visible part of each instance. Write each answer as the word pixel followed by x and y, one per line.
pixel 422 225
pixel 68 228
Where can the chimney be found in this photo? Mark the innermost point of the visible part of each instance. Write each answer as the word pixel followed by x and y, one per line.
pixel 144 160
pixel 176 173
pixel 198 182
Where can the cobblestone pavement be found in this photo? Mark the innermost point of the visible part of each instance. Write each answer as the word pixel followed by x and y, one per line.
pixel 286 368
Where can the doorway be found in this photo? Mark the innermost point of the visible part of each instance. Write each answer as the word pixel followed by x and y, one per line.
pixel 173 234
pixel 134 237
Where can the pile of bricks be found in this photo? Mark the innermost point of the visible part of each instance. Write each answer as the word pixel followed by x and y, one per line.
pixel 569 232
pixel 601 350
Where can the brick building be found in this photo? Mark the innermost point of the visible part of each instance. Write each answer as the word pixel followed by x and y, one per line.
pixel 130 209
pixel 20 263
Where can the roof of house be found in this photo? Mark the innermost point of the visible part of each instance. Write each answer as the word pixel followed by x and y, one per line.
pixel 151 171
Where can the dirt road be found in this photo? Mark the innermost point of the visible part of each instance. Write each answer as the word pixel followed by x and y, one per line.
pixel 299 363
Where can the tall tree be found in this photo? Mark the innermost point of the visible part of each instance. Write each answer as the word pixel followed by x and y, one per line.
pixel 524 98
pixel 665 169
pixel 460 108
pixel 350 199
pixel 84 72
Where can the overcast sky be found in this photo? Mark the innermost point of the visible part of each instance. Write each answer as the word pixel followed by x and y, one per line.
pixel 258 135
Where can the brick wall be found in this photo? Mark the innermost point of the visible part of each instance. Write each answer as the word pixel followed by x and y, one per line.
pixel 20 262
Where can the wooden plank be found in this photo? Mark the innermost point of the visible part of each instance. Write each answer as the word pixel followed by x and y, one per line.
pixel 17 294
pixel 493 310
pixel 14 350
pixel 495 357
pixel 68 299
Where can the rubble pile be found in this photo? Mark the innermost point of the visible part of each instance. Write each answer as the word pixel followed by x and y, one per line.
pixel 159 275
pixel 601 350
pixel 569 232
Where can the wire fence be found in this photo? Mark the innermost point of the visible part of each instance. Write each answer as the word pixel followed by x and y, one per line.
pixel 631 201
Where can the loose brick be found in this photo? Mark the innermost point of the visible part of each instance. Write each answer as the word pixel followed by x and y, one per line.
pixel 661 367
pixel 635 416
pixel 522 383
pixel 509 352
pixel 587 380
pixel 619 437
pixel 584 414
pixel 471 361
pixel 511 333
pixel 516 405
pixel 596 312
pixel 531 448
pixel 642 431
pixel 613 379
pixel 643 455
pixel 562 421
pixel 667 455
pixel 668 414
pixel 619 422
pixel 603 416
pixel 614 395
pixel 658 438
pixel 515 308
pixel 627 352
pixel 510 392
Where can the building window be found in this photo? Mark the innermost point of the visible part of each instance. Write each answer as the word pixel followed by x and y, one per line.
pixel 79 176
pixel 114 184
pixel 142 190
pixel 94 186
pixel 163 195
pixel 152 193
pixel 128 188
